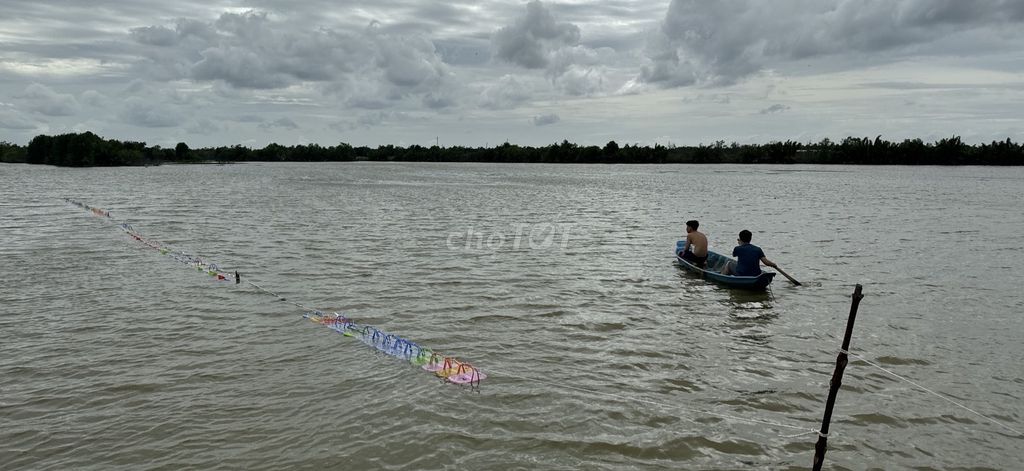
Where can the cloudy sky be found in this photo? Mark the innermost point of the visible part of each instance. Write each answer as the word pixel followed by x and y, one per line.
pixel 481 72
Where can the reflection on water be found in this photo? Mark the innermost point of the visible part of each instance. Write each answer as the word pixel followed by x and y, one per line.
pixel 751 316
pixel 750 300
pixel 738 299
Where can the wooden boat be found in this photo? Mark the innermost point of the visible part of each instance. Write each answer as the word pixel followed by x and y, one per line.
pixel 713 271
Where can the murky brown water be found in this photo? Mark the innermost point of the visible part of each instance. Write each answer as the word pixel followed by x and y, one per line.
pixel 557 280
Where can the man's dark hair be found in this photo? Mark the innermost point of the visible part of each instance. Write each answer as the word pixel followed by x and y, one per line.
pixel 745 236
pixel 693 224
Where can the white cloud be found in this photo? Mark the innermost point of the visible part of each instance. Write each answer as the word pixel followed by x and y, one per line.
pixel 205 126
pixel 14 121
pixel 238 66
pixel 724 41
pixel 506 92
pixel 579 81
pixel 140 112
pixel 545 119
pixel 93 98
pixel 776 108
pixel 42 99
pixel 155 35
pixel 440 100
pixel 531 40
pixel 248 118
pixel 283 123
pixel 369 66
pixel 408 61
pixel 629 70
pixel 363 121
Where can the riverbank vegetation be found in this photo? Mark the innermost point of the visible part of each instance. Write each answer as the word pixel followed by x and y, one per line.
pixel 88 150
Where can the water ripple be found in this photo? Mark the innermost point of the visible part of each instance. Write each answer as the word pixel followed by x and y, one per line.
pixel 602 354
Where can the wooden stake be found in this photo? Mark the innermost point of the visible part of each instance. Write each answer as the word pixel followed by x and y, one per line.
pixel 836 382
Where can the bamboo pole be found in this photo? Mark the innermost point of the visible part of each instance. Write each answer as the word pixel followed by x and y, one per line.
pixel 836 382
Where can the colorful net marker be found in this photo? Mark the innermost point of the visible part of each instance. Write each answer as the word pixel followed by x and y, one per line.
pixel 450 369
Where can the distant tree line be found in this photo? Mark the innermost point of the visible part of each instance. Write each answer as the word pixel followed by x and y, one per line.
pixel 11 152
pixel 87 149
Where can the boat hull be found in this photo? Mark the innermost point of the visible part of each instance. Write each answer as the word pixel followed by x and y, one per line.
pixel 716 262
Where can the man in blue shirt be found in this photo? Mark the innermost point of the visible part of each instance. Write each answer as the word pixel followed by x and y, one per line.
pixel 749 258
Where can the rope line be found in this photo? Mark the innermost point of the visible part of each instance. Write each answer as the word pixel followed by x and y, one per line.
pixel 448 368
pixel 929 391
pixel 279 297
pixel 453 368
pixel 733 418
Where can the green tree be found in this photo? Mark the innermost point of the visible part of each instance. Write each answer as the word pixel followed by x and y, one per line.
pixel 181 152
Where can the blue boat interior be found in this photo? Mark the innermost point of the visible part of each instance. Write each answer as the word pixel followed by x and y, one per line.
pixel 713 270
pixel 717 263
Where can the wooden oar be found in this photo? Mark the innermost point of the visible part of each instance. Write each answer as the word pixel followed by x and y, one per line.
pixel 790 278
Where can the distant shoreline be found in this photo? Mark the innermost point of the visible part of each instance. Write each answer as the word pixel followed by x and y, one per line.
pixel 89 150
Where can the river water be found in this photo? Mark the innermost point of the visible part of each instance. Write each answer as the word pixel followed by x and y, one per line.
pixel 556 280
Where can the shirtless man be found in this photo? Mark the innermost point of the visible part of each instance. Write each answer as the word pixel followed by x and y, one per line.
pixel 696 249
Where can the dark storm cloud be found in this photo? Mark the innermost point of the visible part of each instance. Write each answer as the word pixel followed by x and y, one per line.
pixel 723 41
